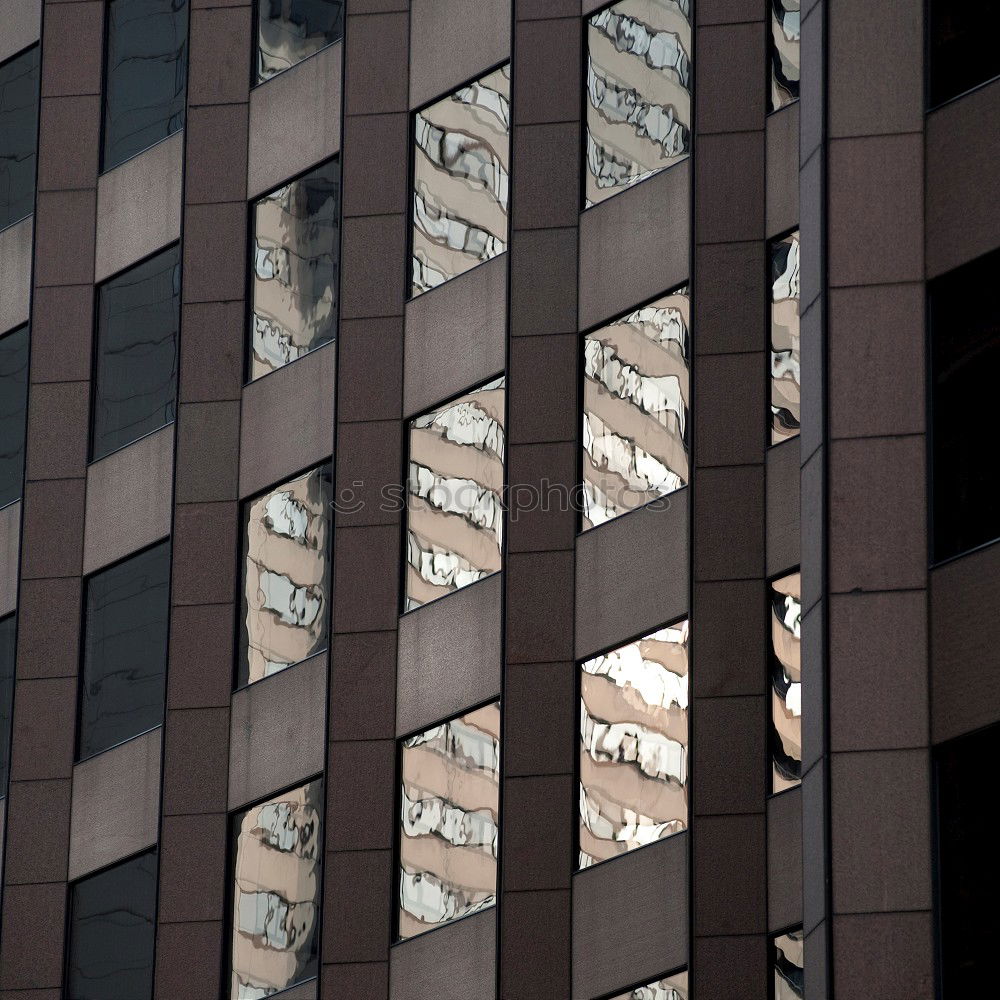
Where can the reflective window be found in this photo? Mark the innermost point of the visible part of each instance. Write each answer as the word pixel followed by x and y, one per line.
pixel 295 269
pixel 135 378
pixel 454 516
pixel 786 383
pixel 788 965
pixel 145 75
pixel 461 180
pixel 277 882
pixel 449 821
pixel 964 315
pixel 962 46
pixel 289 31
pixel 18 136
pixel 286 575
pixel 8 658
pixel 638 93
pixel 636 393
pixel 634 745
pixel 786 682
pixel 785 38
pixel 125 650
pixel 112 924
pixel 13 412
pixel 673 987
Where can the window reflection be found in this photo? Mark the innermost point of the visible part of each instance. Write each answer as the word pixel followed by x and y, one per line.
pixel 963 51
pixel 449 821
pixel 785 38
pixel 286 575
pixel 673 987
pixel 634 744
pixel 635 408
pixel 295 269
pixel 454 489
pixel 638 93
pixel 289 31
pixel 786 682
pixel 786 403
pixel 788 966
pixel 18 136
pixel 276 892
pixel 461 180
pixel 8 659
pixel 13 412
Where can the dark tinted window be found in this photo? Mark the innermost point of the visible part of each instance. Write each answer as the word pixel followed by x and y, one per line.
pixel 145 74
pixel 968 863
pixel 290 30
pixel 18 136
pixel 965 368
pixel 963 46
pixel 8 650
pixel 136 377
pixel 13 406
pixel 125 650
pixel 111 931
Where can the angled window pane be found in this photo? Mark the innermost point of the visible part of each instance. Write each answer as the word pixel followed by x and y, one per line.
pixel 13 412
pixel 295 269
pixel 277 882
pixel 461 180
pixel 454 516
pixel 785 43
pixel 449 821
pixel 286 575
pixel 673 987
pixel 289 31
pixel 8 658
pixel 18 136
pixel 634 745
pixel 786 682
pixel 788 966
pixel 135 381
pixel 125 650
pixel 786 402
pixel 112 926
pixel 638 93
pixel 963 52
pixel 636 394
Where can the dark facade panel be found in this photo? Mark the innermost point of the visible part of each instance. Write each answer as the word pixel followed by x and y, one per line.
pixel 782 476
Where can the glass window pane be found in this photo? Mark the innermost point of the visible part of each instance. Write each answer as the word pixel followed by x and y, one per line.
pixel 454 517
pixel 786 402
pixel 638 93
pixel 634 745
pixel 963 49
pixel 295 268
pixel 289 31
pixel 18 136
pixel 136 372
pixel 125 650
pixel 8 659
pixel 145 75
pixel 461 180
pixel 111 932
pixel 674 987
pixel 286 575
pixel 785 38
pixel 449 821
pixel 276 892
pixel 636 393
pixel 786 682
pixel 13 412
pixel 788 966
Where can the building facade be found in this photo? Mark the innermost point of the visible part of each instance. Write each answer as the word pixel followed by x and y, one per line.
pixel 498 499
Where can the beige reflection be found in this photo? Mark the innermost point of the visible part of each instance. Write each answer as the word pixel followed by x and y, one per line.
pixel 785 38
pixel 276 893
pixel 638 93
pixel 673 987
pixel 789 966
pixel 449 821
pixel 286 575
pixel 461 180
pixel 786 682
pixel 785 364
pixel 635 408
pixel 634 745
pixel 454 489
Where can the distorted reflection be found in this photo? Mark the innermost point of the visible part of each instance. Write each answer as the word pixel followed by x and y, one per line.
pixel 8 657
pixel 296 260
pixel 785 37
pixel 786 682
pixel 785 356
pixel 286 575
pixel 449 821
pixel 289 31
pixel 638 93
pixel 276 892
pixel 673 987
pixel 634 745
pixel 454 487
pixel 461 180
pixel 13 412
pixel 635 408
pixel 18 135
pixel 789 966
